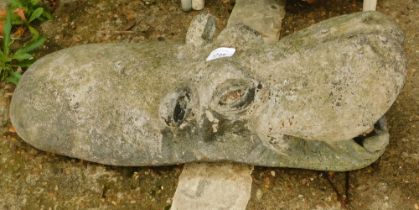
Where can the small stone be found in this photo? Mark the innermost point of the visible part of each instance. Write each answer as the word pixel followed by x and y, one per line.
pixel 186 5
pixel 136 175
pixel 259 194
pixel 198 4
pixel 273 173
pixel 148 2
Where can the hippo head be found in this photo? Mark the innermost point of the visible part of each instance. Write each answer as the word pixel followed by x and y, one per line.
pixel 300 102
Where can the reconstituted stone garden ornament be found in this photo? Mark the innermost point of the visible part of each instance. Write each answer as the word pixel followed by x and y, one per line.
pixel 312 100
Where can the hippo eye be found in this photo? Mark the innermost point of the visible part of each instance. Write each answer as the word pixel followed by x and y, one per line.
pixel 175 107
pixel 234 95
pixel 237 98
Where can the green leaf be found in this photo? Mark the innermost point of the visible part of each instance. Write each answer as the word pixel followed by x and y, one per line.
pixel 6 31
pixel 22 56
pixel 4 59
pixel 34 32
pixel 15 4
pixel 35 2
pixel 36 14
pixel 47 15
pixel 17 22
pixel 31 46
pixel 14 77
pixel 23 64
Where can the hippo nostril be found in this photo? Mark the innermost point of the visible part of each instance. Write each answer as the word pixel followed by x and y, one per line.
pixel 175 107
pixel 180 110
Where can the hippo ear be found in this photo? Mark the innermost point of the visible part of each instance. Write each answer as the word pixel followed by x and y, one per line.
pixel 201 30
pixel 239 36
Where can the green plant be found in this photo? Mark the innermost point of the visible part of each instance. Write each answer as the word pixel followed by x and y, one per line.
pixel 28 11
pixel 13 60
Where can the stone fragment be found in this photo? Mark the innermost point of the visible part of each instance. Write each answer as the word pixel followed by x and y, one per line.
pixel 213 186
pixel 186 5
pixel 369 5
pixel 198 4
pixel 201 30
pixel 264 16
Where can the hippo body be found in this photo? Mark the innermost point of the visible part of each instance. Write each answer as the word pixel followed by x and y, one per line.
pixel 161 103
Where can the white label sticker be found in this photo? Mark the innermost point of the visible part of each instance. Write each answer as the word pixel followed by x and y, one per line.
pixel 221 52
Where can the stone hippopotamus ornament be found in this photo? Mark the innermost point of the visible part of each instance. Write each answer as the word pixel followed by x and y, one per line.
pixel 312 100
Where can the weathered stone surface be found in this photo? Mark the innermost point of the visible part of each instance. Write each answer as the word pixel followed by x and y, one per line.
pixel 297 103
pixel 186 5
pixel 264 16
pixel 369 5
pixel 213 186
pixel 201 30
pixel 198 4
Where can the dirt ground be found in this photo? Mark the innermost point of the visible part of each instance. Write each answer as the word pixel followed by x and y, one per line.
pixel 32 179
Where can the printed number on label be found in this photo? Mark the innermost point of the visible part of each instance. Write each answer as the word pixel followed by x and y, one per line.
pixel 221 52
